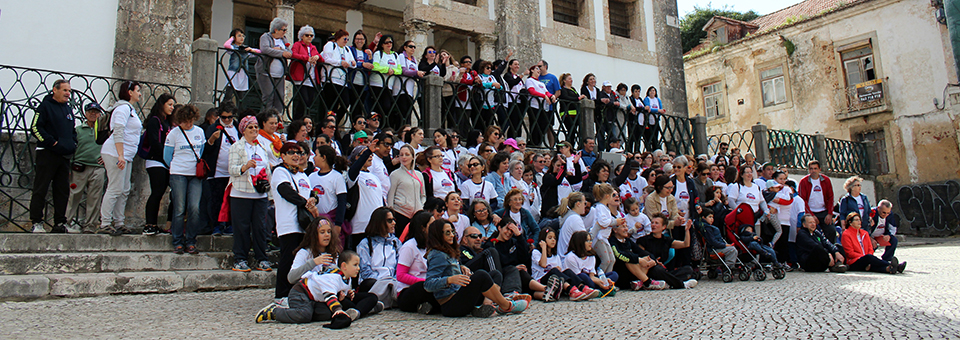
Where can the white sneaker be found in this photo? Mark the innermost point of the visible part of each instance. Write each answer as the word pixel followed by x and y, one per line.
pixel 72 228
pixel 282 302
pixel 38 228
pixel 689 283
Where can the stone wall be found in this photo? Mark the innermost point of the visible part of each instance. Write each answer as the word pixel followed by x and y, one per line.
pixel 153 41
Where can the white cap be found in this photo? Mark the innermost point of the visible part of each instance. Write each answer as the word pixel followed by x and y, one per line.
pixel 607 83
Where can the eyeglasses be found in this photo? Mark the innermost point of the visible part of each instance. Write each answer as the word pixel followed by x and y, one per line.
pixel 449 232
pixel 474 236
pixel 481 211
pixel 496 134
pixel 295 153
pixel 330 127
pixel 283 29
pixel 360 122
pixel 226 117
pixel 473 165
pixel 705 173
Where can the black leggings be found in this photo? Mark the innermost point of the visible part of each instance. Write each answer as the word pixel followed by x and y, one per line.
pixel 876 264
pixel 159 181
pixel 468 297
pixel 573 280
pixel 288 243
pixel 658 272
pixel 411 297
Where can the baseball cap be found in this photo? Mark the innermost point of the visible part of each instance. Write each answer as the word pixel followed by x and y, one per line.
pixel 92 106
pixel 607 83
pixel 633 164
pixel 360 134
pixel 772 183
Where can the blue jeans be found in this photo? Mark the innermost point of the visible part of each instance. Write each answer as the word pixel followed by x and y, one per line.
pixel 185 193
pixel 763 250
pixel 888 251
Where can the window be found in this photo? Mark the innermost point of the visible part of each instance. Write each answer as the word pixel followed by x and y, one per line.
pixel 711 99
pixel 772 86
pixel 879 148
pixel 567 11
pixel 619 18
pixel 858 65
pixel 721 34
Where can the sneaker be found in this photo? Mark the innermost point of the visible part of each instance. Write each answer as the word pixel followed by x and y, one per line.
pixel 901 266
pixel 38 228
pixel 228 230
pixel 553 286
pixel 353 313
pixel 591 293
pixel 118 230
pixel 515 296
pixel 264 266
pixel 282 302
pixel 241 266
pixel 178 250
pixel 516 307
pixel 379 307
pixel 608 293
pixel 636 285
pixel 656 285
pixel 424 308
pixel 72 228
pixel 59 228
pixel 192 249
pixel 576 294
pixel 266 314
pixel 689 284
pixel 484 311
pixel 216 231
pixel 150 230
pixel 838 268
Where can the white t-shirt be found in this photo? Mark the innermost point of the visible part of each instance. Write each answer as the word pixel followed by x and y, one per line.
pixel 571 225
pixel 580 266
pixel 644 225
pixel 379 169
pixel 223 158
pixel 184 160
pixel 682 195
pixel 564 189
pixel 552 262
pixel 815 201
pixel 258 155
pixel 449 160
pixel 411 256
pixel 603 223
pixel 471 190
pixel 370 200
pixel 303 256
pixel 635 186
pixel 783 211
pixel 663 207
pixel 795 209
pixel 327 187
pixel 750 195
pixel 583 168
pixel 860 208
pixel 516 217
pixel 536 85
pixel 442 184
pixel 286 212
pixel 266 144
pixel 124 115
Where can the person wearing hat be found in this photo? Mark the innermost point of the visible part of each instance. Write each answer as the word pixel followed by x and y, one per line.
pixel 53 127
pixel 509 146
pixel 607 114
pixel 359 139
pixel 88 175
pixel 250 171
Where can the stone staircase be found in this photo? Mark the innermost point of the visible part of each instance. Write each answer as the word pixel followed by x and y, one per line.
pixel 37 266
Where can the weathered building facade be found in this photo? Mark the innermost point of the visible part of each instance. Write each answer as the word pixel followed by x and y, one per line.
pixel 879 71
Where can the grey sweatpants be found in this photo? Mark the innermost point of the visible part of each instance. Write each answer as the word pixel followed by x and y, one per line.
pixel 302 309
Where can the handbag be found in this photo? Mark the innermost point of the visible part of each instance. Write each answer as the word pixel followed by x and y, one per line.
pixel 78 167
pixel 202 168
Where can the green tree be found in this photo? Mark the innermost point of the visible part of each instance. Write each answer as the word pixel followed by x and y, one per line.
pixel 691 26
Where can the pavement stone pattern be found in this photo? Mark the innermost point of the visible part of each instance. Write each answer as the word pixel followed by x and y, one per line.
pixel 924 302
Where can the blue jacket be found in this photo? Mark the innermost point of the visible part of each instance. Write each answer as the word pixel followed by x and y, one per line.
pixel 501 184
pixel 529 225
pixel 848 204
pixel 378 257
pixel 712 235
pixel 440 266
pixel 893 222
pixel 588 158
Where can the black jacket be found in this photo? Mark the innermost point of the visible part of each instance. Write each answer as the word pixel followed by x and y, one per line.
pixel 626 251
pixel 211 153
pixel 54 123
pixel 809 243
pixel 548 191
pixel 156 131
pixel 609 110
pixel 513 252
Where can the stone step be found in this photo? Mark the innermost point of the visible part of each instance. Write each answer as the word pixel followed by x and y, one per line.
pixel 64 263
pixel 32 287
pixel 44 243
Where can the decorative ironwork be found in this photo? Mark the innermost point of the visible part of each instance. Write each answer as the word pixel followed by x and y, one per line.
pixel 790 149
pixel 742 140
pixel 846 156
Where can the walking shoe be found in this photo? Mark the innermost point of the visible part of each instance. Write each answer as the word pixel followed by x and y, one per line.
pixel 38 228
pixel 72 228
pixel 150 230
pixel 379 307
pixel 839 268
pixel 516 296
pixel 192 249
pixel 178 249
pixel 688 284
pixel 484 311
pixel 577 295
pixel 118 230
pixel 901 266
pixel 656 285
pixel 282 302
pixel 591 293
pixel 264 266
pixel 241 266
pixel 228 230
pixel 424 308
pixel 553 286
pixel 636 285
pixel 353 313
pixel 59 228
pixel 163 231
pixel 216 231
pixel 266 314
pixel 516 307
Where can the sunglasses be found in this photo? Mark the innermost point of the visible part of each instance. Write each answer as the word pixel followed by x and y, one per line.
pixel 295 153
pixel 330 127
pixel 390 220
pixel 521 144
pixel 431 52
pixel 455 136
pixel 473 165
pixel 308 35
pixel 375 119
pixel 449 232
pixel 387 42
pixel 226 117
pixel 411 46
pixel 361 122
pixel 474 236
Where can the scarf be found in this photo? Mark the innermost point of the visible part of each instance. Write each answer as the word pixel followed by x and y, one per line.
pixel 277 143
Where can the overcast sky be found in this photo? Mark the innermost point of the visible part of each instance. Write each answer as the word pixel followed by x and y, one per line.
pixel 762 7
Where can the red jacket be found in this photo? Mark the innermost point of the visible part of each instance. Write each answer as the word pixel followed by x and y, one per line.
pixel 826 188
pixel 856 243
pixel 467 78
pixel 300 56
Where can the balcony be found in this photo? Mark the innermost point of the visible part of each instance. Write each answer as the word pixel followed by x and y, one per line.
pixel 863 99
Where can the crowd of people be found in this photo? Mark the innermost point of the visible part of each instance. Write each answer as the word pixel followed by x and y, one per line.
pixel 379 218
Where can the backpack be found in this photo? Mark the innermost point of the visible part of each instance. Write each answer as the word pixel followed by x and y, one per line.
pixel 103 124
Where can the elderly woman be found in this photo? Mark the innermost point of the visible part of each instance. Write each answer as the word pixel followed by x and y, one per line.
pixel 304 72
pixel 249 178
pixel 859 248
pixel 855 201
pixel 338 59
pixel 270 67
pixel 513 208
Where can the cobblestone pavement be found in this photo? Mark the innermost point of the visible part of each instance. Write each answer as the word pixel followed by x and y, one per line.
pixel 924 302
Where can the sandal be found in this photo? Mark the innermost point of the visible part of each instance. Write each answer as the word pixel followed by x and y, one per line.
pixel 178 250
pixel 192 249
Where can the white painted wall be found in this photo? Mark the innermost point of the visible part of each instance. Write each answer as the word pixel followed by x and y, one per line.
pixel 579 63
pixel 354 22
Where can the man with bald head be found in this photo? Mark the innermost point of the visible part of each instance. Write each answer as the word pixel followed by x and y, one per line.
pixel 476 258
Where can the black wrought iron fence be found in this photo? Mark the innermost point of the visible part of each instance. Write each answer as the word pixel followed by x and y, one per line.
pixel 21 91
pixel 742 140
pixel 846 156
pixel 791 149
pixel 343 92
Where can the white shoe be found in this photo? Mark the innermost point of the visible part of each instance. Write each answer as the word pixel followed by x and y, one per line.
pixel 689 283
pixel 72 228
pixel 282 302
pixel 38 228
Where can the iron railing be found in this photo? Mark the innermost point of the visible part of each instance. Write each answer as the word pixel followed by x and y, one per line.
pixel 340 91
pixel 742 140
pixel 791 149
pixel 21 91
pixel 846 156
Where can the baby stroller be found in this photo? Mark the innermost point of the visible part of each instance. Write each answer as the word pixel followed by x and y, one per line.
pixel 712 261
pixel 749 260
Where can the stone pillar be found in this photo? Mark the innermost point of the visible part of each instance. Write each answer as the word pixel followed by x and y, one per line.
pixel 432 100
pixel 820 150
pixel 417 31
pixel 152 42
pixel 761 143
pixel 284 10
pixel 588 127
pixel 487 43
pixel 519 24
pixel 700 135
pixel 673 88
pixel 203 73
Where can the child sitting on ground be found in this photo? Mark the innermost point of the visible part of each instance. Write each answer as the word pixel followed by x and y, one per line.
pixel 638 223
pixel 714 239
pixel 754 242
pixel 321 296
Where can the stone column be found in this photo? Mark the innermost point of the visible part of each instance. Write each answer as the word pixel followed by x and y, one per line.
pixel 588 127
pixel 487 43
pixel 284 10
pixel 673 88
pixel 432 103
pixel 761 143
pixel 417 31
pixel 519 22
pixel 203 73
pixel 700 135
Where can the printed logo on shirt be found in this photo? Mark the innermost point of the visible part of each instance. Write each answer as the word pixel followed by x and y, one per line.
pixel 635 190
pixel 303 184
pixel 860 206
pixel 685 196
pixel 751 196
pixel 257 158
pixel 478 195
pixel 817 189
pixel 565 184
pixel 370 183
pixel 446 163
pixel 446 183
pixel 318 189
pixel 665 212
